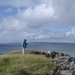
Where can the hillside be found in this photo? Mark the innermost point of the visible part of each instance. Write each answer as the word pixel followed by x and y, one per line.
pixel 15 63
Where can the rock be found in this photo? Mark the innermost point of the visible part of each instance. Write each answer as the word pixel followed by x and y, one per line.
pixel 65 61
pixel 73 73
pixel 56 70
pixel 65 72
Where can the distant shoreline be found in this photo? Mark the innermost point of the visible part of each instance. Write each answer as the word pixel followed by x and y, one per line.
pixel 44 46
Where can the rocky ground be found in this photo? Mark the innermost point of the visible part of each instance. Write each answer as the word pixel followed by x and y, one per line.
pixel 65 64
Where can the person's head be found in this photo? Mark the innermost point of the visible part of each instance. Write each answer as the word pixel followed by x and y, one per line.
pixel 24 39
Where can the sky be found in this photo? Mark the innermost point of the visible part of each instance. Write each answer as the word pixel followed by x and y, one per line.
pixel 37 20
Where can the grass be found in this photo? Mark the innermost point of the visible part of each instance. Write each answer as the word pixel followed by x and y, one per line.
pixel 15 63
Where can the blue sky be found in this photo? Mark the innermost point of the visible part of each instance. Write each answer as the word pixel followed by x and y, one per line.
pixel 6 11
pixel 37 20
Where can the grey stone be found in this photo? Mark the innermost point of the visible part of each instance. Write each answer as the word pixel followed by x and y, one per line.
pixel 66 64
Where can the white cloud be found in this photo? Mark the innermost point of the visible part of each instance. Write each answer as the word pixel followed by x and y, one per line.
pixel 12 24
pixel 34 21
pixel 62 11
pixel 72 33
pixel 35 17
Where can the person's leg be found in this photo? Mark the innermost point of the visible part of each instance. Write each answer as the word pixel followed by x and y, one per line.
pixel 23 50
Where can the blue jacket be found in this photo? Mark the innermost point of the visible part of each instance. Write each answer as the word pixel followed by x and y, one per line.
pixel 24 44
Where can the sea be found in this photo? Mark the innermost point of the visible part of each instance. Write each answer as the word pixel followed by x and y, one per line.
pixel 68 48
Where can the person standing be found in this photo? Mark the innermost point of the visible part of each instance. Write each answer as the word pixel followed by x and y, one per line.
pixel 24 46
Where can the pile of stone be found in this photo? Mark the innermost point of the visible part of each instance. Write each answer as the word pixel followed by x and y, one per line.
pixel 65 64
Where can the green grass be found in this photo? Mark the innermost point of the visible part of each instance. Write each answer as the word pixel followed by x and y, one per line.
pixel 15 63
